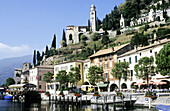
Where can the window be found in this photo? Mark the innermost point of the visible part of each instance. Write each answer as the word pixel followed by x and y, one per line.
pixel 39 86
pixel 39 78
pixel 86 66
pixel 105 58
pixel 124 60
pixel 150 51
pixel 119 61
pixel 100 59
pixel 110 57
pixel 101 65
pixel 130 60
pixel 155 54
pixel 140 54
pixel 106 76
pixel 105 65
pixel 79 66
pixel 131 74
pixel 91 60
pixel 136 60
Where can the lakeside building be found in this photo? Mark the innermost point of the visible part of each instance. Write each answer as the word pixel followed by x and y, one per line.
pixel 54 86
pixel 106 59
pixel 36 75
pixel 17 75
pixel 134 55
pixel 21 75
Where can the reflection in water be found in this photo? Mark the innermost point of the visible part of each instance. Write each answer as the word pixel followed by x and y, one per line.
pixel 52 106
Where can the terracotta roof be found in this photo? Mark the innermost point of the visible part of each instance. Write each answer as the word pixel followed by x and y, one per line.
pixel 109 50
pixel 45 66
pixel 17 69
pixel 70 62
pixel 143 48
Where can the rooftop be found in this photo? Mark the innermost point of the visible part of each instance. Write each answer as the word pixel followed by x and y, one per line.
pixel 146 47
pixel 108 51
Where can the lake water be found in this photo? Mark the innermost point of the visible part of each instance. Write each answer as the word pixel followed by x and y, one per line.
pixel 52 106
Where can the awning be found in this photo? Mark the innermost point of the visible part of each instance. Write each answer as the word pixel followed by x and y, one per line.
pixel 102 85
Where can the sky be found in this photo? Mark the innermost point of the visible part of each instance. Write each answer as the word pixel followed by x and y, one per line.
pixel 27 25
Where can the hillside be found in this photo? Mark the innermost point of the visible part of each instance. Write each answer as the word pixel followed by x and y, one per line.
pixel 8 65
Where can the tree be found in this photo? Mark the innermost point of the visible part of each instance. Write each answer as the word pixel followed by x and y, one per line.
pixel 34 58
pixel 9 81
pixel 64 44
pixel 95 36
pixel 145 68
pixel 74 75
pixel 83 39
pixel 88 27
pixel 163 60
pixel 98 22
pixel 95 74
pixel 120 71
pixel 53 45
pixel 62 77
pixel 46 50
pixel 139 39
pixel 105 40
pixel 38 58
pixel 48 77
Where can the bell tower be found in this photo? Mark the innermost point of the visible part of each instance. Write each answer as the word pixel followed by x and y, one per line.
pixel 93 18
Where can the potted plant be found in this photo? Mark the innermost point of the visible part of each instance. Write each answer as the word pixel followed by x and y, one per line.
pixel 77 93
pixel 47 93
pixel 118 93
pixel 61 93
pixel 150 94
pixel 96 93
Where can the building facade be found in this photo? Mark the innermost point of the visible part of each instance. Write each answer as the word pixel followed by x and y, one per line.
pixel 134 55
pixel 36 76
pixel 106 59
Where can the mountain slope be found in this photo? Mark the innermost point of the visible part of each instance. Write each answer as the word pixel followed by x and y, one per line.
pixel 8 65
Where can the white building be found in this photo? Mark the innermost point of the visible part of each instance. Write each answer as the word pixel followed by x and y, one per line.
pixel 122 22
pixel 134 55
pixel 54 86
pixel 73 33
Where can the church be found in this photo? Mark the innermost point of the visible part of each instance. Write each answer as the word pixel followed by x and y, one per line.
pixel 73 33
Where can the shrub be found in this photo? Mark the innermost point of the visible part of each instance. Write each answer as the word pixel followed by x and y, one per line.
pixel 118 32
pixel 95 36
pixel 162 32
pixel 118 93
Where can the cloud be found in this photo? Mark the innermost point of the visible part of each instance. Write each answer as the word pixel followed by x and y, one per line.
pixel 7 51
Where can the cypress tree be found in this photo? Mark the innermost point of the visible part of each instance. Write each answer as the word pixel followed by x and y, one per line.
pixel 97 25
pixel 64 39
pixel 34 58
pixel 54 42
pixel 38 58
pixel 88 28
pixel 46 51
pixel 64 36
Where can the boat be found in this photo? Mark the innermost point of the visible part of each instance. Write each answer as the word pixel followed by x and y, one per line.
pixel 8 97
pixel 163 107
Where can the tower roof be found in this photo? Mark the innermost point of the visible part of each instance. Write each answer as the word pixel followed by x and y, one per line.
pixel 93 7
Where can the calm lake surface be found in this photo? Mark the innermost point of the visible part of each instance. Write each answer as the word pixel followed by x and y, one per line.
pixel 52 106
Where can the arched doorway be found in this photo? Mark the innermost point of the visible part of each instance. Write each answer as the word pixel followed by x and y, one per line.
pixel 86 83
pixel 133 86
pixel 113 87
pixel 123 86
pixel 70 37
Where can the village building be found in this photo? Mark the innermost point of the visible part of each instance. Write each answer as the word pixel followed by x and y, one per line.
pixel 73 33
pixel 106 59
pixel 54 86
pixel 17 75
pixel 122 22
pixel 36 75
pixel 133 56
